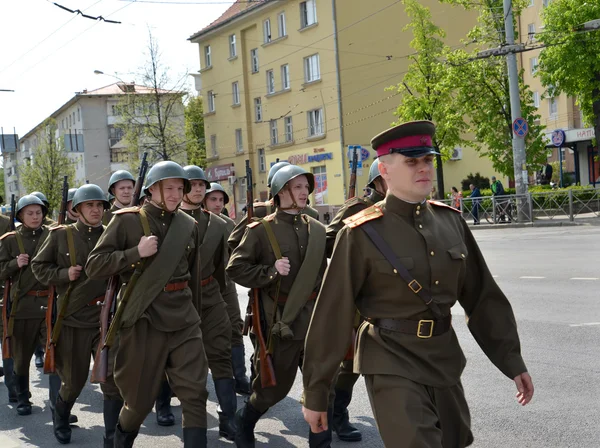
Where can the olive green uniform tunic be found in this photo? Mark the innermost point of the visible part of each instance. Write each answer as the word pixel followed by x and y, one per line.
pixel 80 334
pixel 108 214
pixel 413 383
pixel 215 325
pixel 31 295
pixel 252 265
pixel 4 227
pixel 166 337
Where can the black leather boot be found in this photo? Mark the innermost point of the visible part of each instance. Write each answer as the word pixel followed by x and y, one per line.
pixel 164 415
pixel 124 439
pixel 194 438
pixel 341 421
pixel 39 356
pixel 225 390
pixel 238 361
pixel 23 395
pixel 111 411
pixel 54 383
pixel 9 380
pixel 322 439
pixel 60 417
pixel 245 421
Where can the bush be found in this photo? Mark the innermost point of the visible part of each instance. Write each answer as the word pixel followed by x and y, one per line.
pixel 478 180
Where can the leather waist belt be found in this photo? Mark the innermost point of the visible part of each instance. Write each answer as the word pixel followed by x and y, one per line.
pixel 38 293
pixel 171 287
pixel 206 281
pixel 424 328
pixel 97 301
pixel 283 298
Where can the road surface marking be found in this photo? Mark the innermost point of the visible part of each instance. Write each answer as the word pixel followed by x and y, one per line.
pixel 587 324
pixel 532 278
pixel 584 278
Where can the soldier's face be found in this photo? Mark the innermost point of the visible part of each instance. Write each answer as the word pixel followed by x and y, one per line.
pixel 196 195
pixel 91 211
pixel 32 216
pixel 172 190
pixel 215 202
pixel 408 178
pixel 298 187
pixel 123 191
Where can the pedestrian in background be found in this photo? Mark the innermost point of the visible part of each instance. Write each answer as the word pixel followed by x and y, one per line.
pixel 456 198
pixel 475 193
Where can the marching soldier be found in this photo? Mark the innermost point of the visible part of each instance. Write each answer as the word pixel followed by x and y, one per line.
pixel 60 262
pixel 404 263
pixel 72 215
pixel 215 324
pixel 156 248
pixel 284 256
pixel 7 364
pixel 120 187
pixel 347 378
pixel 48 223
pixel 215 201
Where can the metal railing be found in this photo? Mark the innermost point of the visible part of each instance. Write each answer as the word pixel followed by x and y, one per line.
pixel 531 207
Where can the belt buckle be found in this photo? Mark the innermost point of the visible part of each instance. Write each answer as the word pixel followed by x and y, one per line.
pixel 415 286
pixel 425 335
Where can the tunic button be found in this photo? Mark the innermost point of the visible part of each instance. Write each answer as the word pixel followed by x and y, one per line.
pixel 395 271
pixel 437 282
pixel 270 277
pixel 297 228
pixel 418 212
pixel 418 207
pixel 420 226
pixel 133 265
pixel 462 255
pixel 432 253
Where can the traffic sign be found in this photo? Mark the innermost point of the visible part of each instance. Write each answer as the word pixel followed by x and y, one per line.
pixel 351 154
pixel 520 127
pixel 558 138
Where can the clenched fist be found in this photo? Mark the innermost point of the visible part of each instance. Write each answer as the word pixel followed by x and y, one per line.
pixel 74 272
pixel 283 266
pixel 148 246
pixel 22 260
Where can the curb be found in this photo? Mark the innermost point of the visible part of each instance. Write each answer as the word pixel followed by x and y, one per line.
pixel 538 224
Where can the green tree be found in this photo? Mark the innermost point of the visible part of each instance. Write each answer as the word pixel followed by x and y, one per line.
pixel 49 163
pixel 483 91
pixel 2 183
pixel 426 92
pixel 570 63
pixel 194 132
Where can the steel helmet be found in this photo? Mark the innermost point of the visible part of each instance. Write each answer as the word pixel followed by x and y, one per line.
pixel 276 167
pixel 196 173
pixel 70 194
pixel 42 197
pixel 117 176
pixel 287 173
pixel 89 192
pixel 373 173
pixel 29 199
pixel 167 170
pixel 215 186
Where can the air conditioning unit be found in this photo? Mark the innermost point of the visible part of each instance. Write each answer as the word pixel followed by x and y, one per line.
pixel 231 179
pixel 456 154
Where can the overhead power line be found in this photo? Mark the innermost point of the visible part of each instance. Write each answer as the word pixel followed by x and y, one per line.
pixel 78 11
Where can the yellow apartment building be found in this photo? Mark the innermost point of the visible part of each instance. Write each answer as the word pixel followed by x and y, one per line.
pixel 302 81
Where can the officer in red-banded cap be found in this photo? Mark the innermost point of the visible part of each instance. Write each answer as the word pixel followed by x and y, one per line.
pixel 404 263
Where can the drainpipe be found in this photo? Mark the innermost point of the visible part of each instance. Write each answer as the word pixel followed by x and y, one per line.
pixel 339 93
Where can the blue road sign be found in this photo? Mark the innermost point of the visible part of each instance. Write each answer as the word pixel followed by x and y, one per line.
pixel 350 155
pixel 520 127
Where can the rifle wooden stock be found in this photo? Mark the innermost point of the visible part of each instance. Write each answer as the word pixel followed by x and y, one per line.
pixel 7 301
pixel 51 311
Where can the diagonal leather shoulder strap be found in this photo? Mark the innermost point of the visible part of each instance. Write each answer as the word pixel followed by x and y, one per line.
pixel 71 246
pixel 145 223
pixel 390 256
pixel 20 243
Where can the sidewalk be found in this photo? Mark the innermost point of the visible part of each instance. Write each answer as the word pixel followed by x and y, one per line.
pixel 540 222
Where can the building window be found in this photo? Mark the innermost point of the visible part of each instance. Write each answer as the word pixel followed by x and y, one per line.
pixel 536 99
pixel 285 77
pixel 531 3
pixel 213 145
pixel 315 122
pixel 308 13
pixel 254 60
pixel 267 31
pixel 533 65
pixel 289 129
pixel 262 163
pixel 274 135
pixel 270 82
pixel 239 145
pixel 312 71
pixel 70 123
pixel 207 57
pixel 531 32
pixel 232 46
pixel 78 115
pixel 211 101
pixel 258 110
pixel 235 91
pixel 546 2
pixel 553 107
pixel 281 24
pixel 119 156
pixel 320 174
pixel 115 135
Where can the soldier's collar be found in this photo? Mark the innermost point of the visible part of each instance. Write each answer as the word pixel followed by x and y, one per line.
pixel 375 196
pixel 26 231
pixel 288 217
pixel 396 205
pixel 86 228
pixel 157 212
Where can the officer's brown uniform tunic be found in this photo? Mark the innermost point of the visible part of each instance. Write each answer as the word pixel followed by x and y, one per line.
pixel 166 337
pixel 31 295
pixel 80 333
pixel 413 383
pixel 252 265
pixel 215 325
pixel 108 214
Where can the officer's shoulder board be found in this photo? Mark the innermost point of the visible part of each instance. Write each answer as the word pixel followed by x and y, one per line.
pixel 368 214
pixel 255 222
pixel 127 210
pixel 7 234
pixel 270 217
pixel 62 226
pixel 441 204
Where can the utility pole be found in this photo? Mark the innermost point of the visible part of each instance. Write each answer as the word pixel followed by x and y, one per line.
pixel 518 143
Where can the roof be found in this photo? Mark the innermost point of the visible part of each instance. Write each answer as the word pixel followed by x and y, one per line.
pixel 239 8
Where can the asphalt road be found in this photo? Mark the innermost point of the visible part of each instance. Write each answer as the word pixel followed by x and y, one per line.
pixel 550 276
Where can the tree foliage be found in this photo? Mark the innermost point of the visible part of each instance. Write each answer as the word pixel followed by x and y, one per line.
pixel 570 63
pixel 50 162
pixel 194 132
pixel 426 92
